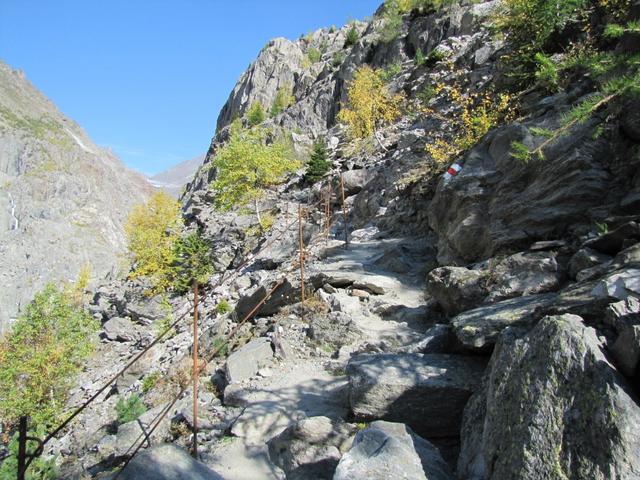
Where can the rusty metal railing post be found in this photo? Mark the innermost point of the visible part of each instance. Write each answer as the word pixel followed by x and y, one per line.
pixel 344 214
pixel 301 241
pixel 195 369
pixel 22 448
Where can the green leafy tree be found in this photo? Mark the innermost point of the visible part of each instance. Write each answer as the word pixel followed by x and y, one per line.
pixel 249 162
pixel 152 229
pixel 192 262
pixel 284 98
pixel 255 114
pixel 42 355
pixel 318 164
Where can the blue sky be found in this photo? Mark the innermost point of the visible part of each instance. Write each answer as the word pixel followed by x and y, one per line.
pixel 148 78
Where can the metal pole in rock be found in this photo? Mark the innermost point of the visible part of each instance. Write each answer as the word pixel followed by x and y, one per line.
pixel 22 448
pixel 344 214
pixel 195 369
pixel 301 237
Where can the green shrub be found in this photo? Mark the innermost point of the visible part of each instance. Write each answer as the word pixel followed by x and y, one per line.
pixel 130 408
pixel 223 307
pixel 388 73
pixel 284 98
pixel 314 55
pixel 352 36
pixel 41 357
pixel 318 164
pixel 338 59
pixel 39 469
pixel 221 346
pixel 546 73
pixel 420 58
pixel 255 114
pixel 426 94
pixel 150 381
pixel 392 25
pixel 436 55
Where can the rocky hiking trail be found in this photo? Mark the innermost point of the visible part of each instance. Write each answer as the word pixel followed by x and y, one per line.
pixel 383 305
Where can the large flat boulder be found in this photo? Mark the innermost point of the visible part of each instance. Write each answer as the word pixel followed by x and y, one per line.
pixel 551 406
pixel 477 330
pixel 458 289
pixel 246 361
pixel 167 462
pixel 387 450
pixel 311 448
pixel 427 392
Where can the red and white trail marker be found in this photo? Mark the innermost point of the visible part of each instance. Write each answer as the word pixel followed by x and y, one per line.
pixel 451 172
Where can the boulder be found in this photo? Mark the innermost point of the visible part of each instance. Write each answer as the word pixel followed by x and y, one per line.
pixel 626 350
pixel 334 329
pixel 477 330
pixel 438 339
pixel 612 242
pixel 619 285
pixel 167 462
pixel 354 181
pixel 427 392
pixel 311 448
pixel 551 406
pixel 119 329
pixel 147 310
pixel 285 294
pixel 246 361
pixel 385 450
pixel 586 258
pixel 523 274
pixel 456 289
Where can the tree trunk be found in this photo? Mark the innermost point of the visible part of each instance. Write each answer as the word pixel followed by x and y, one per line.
pixel 258 213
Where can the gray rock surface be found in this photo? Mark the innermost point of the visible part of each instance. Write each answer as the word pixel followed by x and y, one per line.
pixel 477 330
pixel 551 406
pixel 385 450
pixel 312 448
pixel 427 392
pixel 63 200
pixel 167 462
pixel 246 361
pixel 498 202
pixel 457 289
pixel 586 258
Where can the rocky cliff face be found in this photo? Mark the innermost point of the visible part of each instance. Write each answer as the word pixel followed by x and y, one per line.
pixel 63 200
pixel 483 323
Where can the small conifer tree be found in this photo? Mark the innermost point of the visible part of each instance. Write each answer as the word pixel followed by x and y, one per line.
pixel 192 262
pixel 318 164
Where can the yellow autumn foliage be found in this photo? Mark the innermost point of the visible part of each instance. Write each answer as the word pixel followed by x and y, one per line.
pixel 152 230
pixel 370 103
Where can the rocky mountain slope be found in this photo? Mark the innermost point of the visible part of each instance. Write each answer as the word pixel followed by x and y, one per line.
pixel 482 325
pixel 63 200
pixel 175 178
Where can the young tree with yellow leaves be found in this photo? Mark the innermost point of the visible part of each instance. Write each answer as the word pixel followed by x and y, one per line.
pixel 371 104
pixel 249 162
pixel 152 229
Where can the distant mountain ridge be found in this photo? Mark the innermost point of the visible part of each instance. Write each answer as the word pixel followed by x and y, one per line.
pixel 63 199
pixel 175 178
